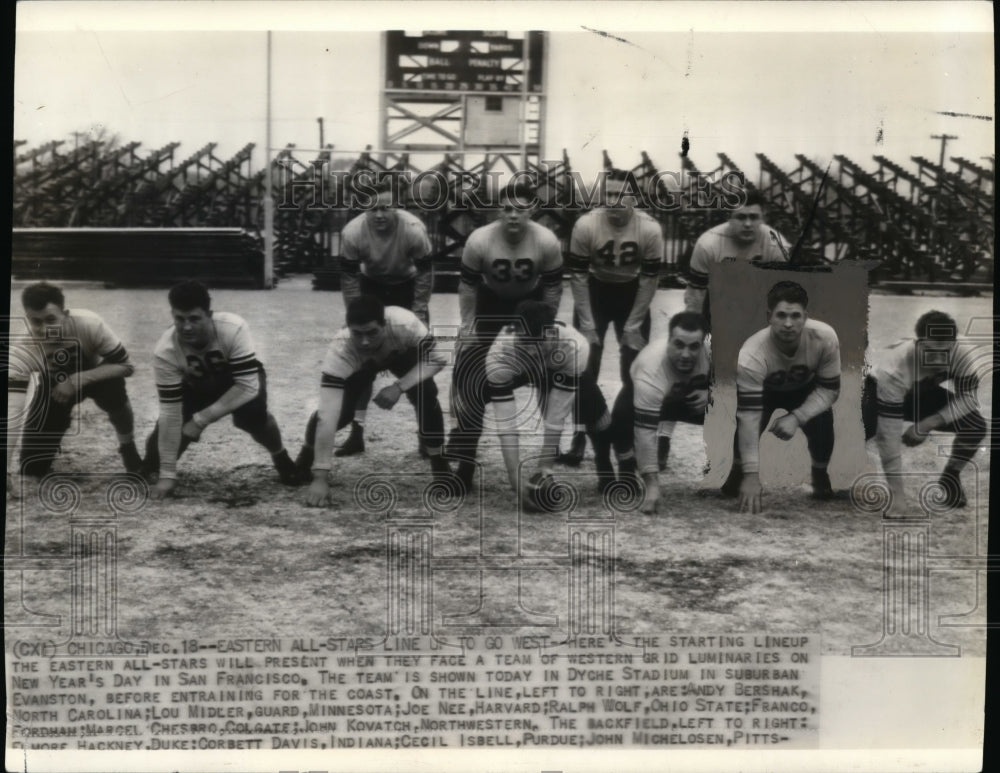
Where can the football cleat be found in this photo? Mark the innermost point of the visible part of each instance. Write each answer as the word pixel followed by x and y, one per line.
pixel 954 494
pixel 538 493
pixel 662 452
pixel 130 456
pixel 574 456
pixel 288 471
pixel 466 474
pixel 355 443
pixel 821 485
pixel 441 469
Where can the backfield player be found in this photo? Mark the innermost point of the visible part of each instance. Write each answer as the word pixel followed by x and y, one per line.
pixel 539 351
pixel 206 369
pixel 670 381
pixel 503 263
pixel 792 364
pixel 906 385
pixel 376 338
pixel 615 257
pixel 74 355
pixel 386 253
pixel 745 236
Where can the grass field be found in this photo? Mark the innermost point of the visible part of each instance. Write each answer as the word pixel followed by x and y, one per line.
pixel 236 553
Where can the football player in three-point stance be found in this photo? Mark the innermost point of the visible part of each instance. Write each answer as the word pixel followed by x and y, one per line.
pixel 615 257
pixel 75 356
pixel 670 381
pixel 205 369
pixel 503 263
pixel 386 253
pixel 792 364
pixel 551 357
pixel 906 385
pixel 376 338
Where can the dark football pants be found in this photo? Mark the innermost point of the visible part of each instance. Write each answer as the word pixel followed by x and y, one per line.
pixel 623 416
pixel 818 430
pixel 391 294
pixel 251 417
pixel 423 397
pixel 41 438
pixel 610 304
pixel 469 387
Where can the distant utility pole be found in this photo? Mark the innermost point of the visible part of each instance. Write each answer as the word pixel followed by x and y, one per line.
pixel 944 141
pixel 320 122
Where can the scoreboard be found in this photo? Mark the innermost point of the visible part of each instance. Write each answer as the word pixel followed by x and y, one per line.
pixel 464 61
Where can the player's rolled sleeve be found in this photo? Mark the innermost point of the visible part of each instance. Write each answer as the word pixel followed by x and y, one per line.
pixel 170 392
pixel 559 403
pixel 581 244
pixel 750 375
pixel 889 433
pixel 827 384
pixel 647 400
pixel 652 251
pixel 552 274
pixel 110 348
pixel 697 272
pixel 471 273
pixel 419 253
pixel 245 370
pixel 20 365
pixel 502 367
pixel 965 383
pixel 350 267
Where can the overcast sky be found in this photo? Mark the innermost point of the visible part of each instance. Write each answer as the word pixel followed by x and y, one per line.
pixel 846 80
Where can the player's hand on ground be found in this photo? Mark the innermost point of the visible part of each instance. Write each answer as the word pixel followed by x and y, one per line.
pixel 388 396
pixel 913 436
pixel 65 392
pixel 785 427
pixel 751 495
pixel 632 339
pixel 591 335
pixel 318 494
pixel 191 431
pixel 164 488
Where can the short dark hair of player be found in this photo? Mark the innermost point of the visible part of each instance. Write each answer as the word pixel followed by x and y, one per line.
pixel 691 321
pixel 623 176
pixel 936 326
pixel 754 196
pixel 789 292
pixel 519 188
pixel 536 316
pixel 365 309
pixel 39 295
pixel 189 295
